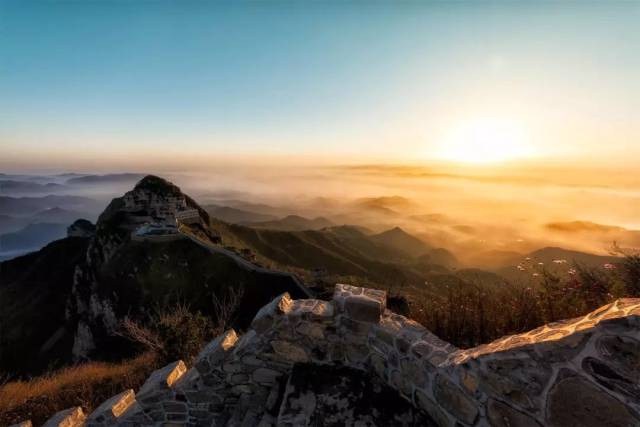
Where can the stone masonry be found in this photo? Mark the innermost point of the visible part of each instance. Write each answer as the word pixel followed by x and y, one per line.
pixel 578 372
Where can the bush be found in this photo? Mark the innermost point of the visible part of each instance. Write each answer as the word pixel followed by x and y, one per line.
pixel 173 333
pixel 177 333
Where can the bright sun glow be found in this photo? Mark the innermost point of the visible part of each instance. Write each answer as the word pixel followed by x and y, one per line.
pixel 486 141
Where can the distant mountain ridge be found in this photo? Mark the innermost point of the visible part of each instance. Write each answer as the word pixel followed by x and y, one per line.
pixel 32 237
pixel 23 206
pixel 29 223
pixel 399 239
pixel 236 215
pixel 112 178
pixel 25 187
pixel 59 215
pixel 293 223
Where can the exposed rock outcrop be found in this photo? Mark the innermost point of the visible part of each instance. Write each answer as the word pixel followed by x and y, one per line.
pixel 91 307
pixel 578 372
pixel 81 228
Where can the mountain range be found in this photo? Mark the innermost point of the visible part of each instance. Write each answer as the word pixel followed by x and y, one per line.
pixel 293 223
pixel 29 223
pixel 87 285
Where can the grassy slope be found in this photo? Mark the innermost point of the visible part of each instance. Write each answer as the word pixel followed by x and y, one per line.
pixel 340 250
pixel 84 385
pixel 147 274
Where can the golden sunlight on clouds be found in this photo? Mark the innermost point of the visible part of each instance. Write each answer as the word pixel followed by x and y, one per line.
pixel 486 141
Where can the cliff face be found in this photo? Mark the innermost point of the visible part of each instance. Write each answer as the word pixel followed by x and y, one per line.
pixel 121 276
pixel 34 289
pixel 93 306
pixel 349 362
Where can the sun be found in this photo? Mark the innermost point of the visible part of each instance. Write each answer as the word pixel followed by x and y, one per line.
pixel 486 141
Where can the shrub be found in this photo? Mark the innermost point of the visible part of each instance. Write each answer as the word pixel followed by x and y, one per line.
pixel 172 333
pixel 467 314
pixel 177 333
pixel 632 273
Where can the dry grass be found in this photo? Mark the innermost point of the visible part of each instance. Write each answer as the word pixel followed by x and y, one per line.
pixel 84 385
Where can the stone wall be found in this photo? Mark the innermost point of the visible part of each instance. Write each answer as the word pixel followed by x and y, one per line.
pixel 578 372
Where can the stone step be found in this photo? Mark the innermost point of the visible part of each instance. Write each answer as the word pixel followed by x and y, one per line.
pixel 215 351
pixel 160 382
pixel 110 410
pixel 267 314
pixel 72 417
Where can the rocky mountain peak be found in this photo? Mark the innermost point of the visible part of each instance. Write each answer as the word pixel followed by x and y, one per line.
pixel 153 199
pixel 81 228
pixel 160 186
pixel 153 202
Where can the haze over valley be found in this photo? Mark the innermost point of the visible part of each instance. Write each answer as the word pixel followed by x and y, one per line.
pixel 513 213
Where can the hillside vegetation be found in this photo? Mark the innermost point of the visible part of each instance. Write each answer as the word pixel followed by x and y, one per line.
pixel 341 250
pixel 84 385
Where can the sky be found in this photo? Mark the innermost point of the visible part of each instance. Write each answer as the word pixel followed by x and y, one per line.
pixel 137 83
